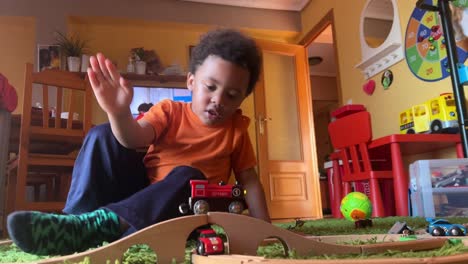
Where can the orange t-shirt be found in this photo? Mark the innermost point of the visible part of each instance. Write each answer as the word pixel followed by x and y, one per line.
pixel 182 139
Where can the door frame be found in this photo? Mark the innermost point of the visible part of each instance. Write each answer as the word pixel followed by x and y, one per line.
pixel 328 19
pixel 311 36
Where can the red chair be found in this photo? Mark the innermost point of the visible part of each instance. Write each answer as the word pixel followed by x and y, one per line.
pixel 350 135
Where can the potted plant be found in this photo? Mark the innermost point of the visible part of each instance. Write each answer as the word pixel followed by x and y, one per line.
pixel 145 61
pixel 72 47
pixel 138 55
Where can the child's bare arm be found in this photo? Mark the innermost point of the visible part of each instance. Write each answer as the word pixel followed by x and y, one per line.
pixel 255 195
pixel 114 94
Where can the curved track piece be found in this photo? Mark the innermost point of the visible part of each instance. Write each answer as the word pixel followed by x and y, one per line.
pixel 242 259
pixel 244 233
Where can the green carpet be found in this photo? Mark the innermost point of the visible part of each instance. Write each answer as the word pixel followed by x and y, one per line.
pixel 142 254
pixel 333 226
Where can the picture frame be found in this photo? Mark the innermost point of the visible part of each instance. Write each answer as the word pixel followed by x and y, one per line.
pixel 48 57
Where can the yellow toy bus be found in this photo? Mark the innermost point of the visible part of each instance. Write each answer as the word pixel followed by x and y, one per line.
pixel 433 116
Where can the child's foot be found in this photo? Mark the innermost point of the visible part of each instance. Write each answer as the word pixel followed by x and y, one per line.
pixel 51 234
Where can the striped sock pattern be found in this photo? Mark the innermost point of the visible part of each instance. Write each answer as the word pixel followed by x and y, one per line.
pixel 52 234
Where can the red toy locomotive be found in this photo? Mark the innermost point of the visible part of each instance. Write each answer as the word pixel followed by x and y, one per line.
pixel 206 197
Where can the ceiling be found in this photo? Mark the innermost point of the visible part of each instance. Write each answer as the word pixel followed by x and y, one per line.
pixel 322 46
pixel 290 5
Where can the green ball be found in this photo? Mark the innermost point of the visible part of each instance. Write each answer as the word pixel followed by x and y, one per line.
pixel 356 206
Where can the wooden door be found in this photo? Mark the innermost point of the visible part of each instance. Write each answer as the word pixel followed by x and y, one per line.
pixel 285 136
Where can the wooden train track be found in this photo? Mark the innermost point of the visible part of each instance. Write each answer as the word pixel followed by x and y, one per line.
pixel 244 235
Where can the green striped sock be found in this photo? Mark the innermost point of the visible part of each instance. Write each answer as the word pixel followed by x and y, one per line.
pixel 52 234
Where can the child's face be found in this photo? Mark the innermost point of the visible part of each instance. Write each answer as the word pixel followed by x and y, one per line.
pixel 218 89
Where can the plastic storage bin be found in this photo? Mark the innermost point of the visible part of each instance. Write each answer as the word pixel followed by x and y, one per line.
pixel 439 188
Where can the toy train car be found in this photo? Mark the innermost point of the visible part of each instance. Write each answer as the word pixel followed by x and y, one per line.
pixel 206 197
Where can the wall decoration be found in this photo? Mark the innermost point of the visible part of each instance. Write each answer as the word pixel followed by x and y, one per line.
pixel 369 87
pixel 387 79
pixel 48 57
pixel 425 52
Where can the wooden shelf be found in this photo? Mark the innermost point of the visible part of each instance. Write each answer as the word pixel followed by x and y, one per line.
pixel 155 78
pixel 170 81
pixel 167 81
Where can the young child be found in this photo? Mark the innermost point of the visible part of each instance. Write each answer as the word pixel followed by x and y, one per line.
pixel 113 193
pixel 142 109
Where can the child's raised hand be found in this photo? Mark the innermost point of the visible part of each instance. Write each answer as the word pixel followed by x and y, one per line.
pixel 113 93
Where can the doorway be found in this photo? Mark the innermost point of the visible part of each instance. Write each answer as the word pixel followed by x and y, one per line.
pixel 326 94
pixel 286 153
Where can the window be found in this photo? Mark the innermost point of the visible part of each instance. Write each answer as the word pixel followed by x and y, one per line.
pixel 435 107
pixel 403 118
pixel 155 95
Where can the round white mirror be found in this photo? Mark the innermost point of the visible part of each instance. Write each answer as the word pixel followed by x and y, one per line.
pixel 378 21
pixel 380 36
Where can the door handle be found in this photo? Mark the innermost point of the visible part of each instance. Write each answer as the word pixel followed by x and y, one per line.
pixel 261 123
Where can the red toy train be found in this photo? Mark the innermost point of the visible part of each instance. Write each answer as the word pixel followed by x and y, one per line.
pixel 220 197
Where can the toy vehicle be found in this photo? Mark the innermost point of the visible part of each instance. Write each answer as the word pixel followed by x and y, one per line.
pixel 207 197
pixel 209 243
pixel 455 178
pixel 401 228
pixel 433 116
pixel 441 227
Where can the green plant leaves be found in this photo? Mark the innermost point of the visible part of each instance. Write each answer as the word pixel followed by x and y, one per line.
pixel 71 46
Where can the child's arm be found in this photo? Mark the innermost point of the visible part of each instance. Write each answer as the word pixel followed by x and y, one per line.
pixel 255 197
pixel 114 94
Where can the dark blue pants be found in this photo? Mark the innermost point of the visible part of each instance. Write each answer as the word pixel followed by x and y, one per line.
pixel 108 175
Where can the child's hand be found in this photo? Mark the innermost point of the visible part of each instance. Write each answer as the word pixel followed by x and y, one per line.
pixel 113 92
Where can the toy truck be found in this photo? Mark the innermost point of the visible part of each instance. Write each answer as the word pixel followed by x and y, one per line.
pixel 436 115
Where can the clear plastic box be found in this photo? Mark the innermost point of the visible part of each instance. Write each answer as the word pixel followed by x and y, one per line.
pixel 439 187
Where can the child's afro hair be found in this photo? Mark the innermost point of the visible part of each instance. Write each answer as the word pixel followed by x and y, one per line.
pixel 232 46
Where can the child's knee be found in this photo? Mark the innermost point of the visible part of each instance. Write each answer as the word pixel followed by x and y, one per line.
pixel 99 131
